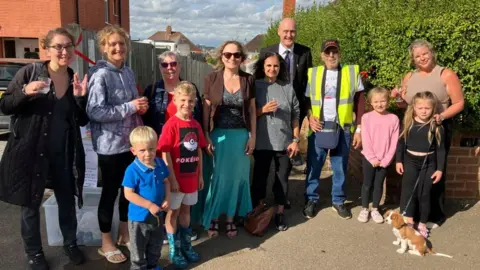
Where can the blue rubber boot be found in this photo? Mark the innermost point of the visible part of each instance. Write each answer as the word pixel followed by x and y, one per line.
pixel 174 252
pixel 186 245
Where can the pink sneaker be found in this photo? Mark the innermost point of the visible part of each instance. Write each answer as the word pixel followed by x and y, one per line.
pixel 363 216
pixel 376 216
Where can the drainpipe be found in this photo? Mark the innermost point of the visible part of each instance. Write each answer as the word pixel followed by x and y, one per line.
pixel 77 13
pixel 119 12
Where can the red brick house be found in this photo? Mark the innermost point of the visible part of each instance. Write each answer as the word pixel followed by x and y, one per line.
pixel 23 22
pixel 182 43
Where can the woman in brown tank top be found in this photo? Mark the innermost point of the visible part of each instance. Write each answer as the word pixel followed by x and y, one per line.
pixel 445 84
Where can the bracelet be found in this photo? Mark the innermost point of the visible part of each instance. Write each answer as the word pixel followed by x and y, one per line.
pixel 358 130
pixel 23 89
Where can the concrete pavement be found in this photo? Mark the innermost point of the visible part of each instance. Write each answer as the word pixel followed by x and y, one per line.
pixel 324 242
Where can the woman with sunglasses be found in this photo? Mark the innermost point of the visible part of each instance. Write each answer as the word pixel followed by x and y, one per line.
pixel 161 108
pixel 114 109
pixel 47 102
pixel 278 114
pixel 229 124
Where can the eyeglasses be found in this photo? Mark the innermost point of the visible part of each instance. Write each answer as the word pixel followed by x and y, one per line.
pixel 59 47
pixel 228 55
pixel 165 64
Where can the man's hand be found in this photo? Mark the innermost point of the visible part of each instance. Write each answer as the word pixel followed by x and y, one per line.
pixel 314 123
pixel 357 140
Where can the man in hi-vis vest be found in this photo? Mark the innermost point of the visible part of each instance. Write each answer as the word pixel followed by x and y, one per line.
pixel 334 100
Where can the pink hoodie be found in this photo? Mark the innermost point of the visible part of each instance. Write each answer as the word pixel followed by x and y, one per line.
pixel 379 137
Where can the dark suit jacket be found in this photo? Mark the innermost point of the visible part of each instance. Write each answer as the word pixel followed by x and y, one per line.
pixel 213 92
pixel 302 57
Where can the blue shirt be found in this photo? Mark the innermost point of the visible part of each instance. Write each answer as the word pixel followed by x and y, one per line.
pixel 146 182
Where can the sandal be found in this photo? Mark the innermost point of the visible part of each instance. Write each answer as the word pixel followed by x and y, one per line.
pixel 109 255
pixel 233 231
pixel 213 230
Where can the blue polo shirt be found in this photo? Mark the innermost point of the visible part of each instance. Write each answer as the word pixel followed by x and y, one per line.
pixel 146 182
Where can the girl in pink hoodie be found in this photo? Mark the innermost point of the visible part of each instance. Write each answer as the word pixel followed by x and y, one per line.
pixel 380 130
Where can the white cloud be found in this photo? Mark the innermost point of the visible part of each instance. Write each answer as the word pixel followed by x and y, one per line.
pixel 206 21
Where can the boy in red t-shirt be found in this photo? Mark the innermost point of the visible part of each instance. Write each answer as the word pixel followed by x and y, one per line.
pixel 180 146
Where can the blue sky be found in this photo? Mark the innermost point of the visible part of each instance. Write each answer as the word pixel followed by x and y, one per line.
pixel 207 22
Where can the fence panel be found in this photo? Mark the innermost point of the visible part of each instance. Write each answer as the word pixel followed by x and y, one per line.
pixel 194 71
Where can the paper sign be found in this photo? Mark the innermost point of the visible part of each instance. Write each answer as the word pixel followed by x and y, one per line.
pixel 91 159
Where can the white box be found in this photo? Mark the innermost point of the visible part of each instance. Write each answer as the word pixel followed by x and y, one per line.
pixel 88 231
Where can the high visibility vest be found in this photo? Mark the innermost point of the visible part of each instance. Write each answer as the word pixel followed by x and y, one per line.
pixel 348 87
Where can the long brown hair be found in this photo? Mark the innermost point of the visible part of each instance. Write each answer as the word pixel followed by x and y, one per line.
pixel 409 117
pixel 46 41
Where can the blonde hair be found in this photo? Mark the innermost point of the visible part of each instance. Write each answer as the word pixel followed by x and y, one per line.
pixel 378 91
pixel 219 53
pixel 185 88
pixel 418 43
pixel 409 117
pixel 107 31
pixel 143 134
pixel 46 41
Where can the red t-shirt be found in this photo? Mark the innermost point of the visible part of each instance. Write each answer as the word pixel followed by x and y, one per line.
pixel 182 139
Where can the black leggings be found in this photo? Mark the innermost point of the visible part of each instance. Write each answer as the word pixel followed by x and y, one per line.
pixel 262 170
pixel 372 177
pixel 112 170
pixel 413 170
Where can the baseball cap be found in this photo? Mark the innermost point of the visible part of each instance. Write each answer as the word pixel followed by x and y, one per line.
pixel 330 43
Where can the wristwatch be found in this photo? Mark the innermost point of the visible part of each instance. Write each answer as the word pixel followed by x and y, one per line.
pixel 358 130
pixel 296 140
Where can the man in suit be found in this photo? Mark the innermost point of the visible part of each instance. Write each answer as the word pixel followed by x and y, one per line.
pixel 297 57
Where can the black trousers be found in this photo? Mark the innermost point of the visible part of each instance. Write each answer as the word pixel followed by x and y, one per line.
pixel 437 195
pixel 372 177
pixel 112 169
pixel 413 170
pixel 63 184
pixel 262 171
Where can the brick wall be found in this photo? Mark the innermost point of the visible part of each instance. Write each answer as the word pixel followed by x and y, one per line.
pixel 55 13
pixel 463 175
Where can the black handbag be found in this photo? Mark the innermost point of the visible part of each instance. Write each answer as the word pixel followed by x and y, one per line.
pixel 329 135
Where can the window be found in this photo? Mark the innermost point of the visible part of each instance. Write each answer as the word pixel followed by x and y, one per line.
pixel 26 49
pixel 116 7
pixel 107 21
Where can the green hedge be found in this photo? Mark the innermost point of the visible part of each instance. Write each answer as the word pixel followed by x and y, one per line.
pixel 378 33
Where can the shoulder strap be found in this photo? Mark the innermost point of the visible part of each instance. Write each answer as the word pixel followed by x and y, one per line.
pixel 32 75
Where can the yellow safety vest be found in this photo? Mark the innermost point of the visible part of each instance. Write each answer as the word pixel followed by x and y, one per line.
pixel 348 87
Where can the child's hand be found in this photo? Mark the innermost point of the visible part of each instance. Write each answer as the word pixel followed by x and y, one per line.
pixel 375 163
pixel 200 182
pixel 399 168
pixel 174 186
pixel 154 209
pixel 165 205
pixel 437 176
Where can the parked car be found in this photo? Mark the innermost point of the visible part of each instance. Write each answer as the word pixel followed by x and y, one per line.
pixel 8 69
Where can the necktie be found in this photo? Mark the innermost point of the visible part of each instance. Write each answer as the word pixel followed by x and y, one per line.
pixel 287 60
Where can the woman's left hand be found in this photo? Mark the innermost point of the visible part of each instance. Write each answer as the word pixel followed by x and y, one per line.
pixel 80 88
pixel 436 176
pixel 292 149
pixel 250 146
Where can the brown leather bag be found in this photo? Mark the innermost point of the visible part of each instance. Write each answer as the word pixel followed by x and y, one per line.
pixel 258 219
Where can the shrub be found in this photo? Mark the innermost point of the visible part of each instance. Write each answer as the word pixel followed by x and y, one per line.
pixel 378 33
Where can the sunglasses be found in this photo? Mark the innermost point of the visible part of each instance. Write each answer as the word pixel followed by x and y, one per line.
pixel 165 64
pixel 228 55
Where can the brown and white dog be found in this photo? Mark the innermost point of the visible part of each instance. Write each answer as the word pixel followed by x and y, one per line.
pixel 407 237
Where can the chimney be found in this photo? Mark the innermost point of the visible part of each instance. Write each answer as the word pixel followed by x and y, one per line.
pixel 288 8
pixel 169 31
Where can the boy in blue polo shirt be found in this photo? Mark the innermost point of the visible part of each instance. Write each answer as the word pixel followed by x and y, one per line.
pixel 147 188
